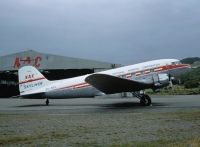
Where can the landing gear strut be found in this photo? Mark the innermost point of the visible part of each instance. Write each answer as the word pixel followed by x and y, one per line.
pixel 47 102
pixel 145 100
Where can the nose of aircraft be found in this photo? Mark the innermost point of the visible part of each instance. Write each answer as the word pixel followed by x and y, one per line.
pixel 180 69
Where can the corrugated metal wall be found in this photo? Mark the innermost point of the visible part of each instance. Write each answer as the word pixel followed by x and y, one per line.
pixel 48 61
pixel 52 66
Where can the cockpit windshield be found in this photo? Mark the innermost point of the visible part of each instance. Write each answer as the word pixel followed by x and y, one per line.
pixel 176 63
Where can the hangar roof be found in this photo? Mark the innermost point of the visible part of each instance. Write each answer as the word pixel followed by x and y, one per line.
pixel 48 61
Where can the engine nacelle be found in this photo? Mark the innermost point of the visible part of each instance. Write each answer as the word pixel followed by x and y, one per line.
pixel 161 80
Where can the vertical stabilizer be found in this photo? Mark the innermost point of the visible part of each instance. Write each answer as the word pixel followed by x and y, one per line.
pixel 31 80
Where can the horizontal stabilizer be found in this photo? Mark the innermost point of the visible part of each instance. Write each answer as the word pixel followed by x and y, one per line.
pixel 34 96
pixel 30 96
pixel 111 84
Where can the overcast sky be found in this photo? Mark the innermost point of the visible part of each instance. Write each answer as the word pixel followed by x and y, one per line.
pixel 118 31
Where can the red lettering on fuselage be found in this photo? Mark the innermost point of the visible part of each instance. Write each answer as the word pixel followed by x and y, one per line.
pixel 29 76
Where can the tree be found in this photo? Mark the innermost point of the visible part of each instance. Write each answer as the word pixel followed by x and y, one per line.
pixel 191 79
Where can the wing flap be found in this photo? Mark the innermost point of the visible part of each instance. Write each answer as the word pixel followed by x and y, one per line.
pixel 111 84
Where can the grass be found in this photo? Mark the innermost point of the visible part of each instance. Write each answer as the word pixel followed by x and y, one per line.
pixel 188 116
pixel 176 90
pixel 194 142
pixel 28 139
pixel 61 136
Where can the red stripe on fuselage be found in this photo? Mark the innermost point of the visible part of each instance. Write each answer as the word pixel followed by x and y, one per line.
pixel 161 69
pixel 77 86
pixel 31 80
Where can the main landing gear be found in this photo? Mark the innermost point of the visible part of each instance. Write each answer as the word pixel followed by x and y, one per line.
pixel 145 100
pixel 47 102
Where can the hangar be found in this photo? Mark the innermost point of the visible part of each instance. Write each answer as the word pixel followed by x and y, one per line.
pixel 54 67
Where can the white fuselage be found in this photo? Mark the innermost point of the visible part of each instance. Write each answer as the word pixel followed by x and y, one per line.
pixel 77 87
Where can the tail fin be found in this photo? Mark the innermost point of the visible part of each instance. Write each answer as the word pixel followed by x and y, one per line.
pixel 31 80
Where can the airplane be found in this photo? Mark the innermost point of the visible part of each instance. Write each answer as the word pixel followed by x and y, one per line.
pixel 133 78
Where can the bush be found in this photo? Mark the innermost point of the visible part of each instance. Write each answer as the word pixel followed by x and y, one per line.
pixel 191 84
pixel 192 77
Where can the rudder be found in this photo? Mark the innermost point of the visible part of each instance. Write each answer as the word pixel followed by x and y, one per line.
pixel 31 80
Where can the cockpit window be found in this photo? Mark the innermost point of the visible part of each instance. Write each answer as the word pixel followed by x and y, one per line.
pixel 176 63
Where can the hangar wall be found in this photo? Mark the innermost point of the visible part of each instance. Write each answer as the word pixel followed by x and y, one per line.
pixel 54 67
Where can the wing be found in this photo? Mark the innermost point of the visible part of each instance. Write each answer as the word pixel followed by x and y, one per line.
pixel 111 84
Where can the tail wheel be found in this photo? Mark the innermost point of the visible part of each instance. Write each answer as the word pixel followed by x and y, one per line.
pixel 47 102
pixel 145 100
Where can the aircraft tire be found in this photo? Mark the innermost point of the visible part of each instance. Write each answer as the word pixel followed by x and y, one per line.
pixel 47 102
pixel 145 100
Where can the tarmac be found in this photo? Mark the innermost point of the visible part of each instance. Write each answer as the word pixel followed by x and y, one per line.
pixel 109 104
